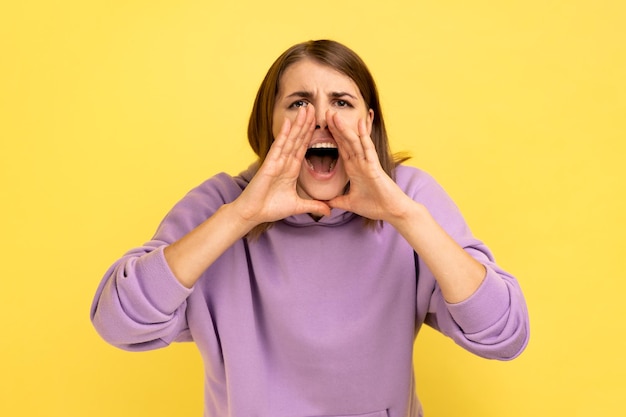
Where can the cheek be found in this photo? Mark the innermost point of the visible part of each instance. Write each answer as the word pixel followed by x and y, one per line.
pixel 354 122
pixel 276 124
pixel 278 120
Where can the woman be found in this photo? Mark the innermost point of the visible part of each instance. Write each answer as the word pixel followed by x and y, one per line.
pixel 305 279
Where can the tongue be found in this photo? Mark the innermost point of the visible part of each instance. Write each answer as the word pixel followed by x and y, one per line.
pixel 320 163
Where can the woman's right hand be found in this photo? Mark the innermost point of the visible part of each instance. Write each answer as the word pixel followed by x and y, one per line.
pixel 272 194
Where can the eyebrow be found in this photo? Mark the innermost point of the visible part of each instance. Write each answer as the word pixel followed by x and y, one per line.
pixel 308 94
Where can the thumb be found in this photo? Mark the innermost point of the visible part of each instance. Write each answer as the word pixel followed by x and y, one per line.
pixel 315 207
pixel 341 202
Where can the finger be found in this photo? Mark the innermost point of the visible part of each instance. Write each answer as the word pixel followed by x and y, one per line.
pixel 343 144
pixel 341 202
pixel 305 133
pixel 315 207
pixel 299 137
pixel 349 143
pixel 279 141
pixel 274 161
pixel 366 142
pixel 287 143
pixel 295 130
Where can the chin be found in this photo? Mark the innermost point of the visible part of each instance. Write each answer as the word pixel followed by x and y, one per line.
pixel 321 192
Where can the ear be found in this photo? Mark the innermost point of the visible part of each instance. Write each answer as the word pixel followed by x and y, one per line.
pixel 369 122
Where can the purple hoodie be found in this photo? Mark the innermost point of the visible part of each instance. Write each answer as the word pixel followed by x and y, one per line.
pixel 315 318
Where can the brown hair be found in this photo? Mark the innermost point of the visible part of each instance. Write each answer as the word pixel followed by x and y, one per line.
pixel 338 57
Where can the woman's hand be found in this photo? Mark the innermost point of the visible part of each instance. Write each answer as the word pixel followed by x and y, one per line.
pixel 373 194
pixel 272 195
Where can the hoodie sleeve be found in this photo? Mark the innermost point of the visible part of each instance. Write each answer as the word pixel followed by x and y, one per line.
pixel 139 304
pixel 493 322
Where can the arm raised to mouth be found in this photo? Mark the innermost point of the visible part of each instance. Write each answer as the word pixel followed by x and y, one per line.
pixel 373 194
pixel 270 196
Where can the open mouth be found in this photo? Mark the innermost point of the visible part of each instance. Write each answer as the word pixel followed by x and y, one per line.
pixel 322 157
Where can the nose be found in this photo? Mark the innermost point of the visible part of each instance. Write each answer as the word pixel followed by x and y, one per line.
pixel 320 118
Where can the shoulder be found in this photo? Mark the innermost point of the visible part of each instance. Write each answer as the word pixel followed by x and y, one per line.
pixel 220 189
pixel 200 203
pixel 406 173
pixel 414 181
pixel 424 189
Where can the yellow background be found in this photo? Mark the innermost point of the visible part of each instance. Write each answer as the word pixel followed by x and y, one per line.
pixel 111 110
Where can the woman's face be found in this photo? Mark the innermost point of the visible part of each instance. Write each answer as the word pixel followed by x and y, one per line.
pixel 322 176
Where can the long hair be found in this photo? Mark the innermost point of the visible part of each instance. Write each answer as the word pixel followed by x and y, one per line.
pixel 338 57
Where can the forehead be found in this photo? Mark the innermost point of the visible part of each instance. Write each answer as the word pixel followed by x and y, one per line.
pixel 309 75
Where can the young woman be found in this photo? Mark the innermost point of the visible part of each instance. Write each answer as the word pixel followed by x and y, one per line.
pixel 305 279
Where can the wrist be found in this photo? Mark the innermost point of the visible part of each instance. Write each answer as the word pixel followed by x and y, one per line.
pixel 238 216
pixel 406 211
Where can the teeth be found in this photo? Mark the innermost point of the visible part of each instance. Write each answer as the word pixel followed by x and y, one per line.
pixel 330 167
pixel 323 145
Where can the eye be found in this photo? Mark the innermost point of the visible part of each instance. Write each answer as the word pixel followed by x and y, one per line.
pixel 342 103
pixel 299 103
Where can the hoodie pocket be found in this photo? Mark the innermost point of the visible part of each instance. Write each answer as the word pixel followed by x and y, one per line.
pixel 382 413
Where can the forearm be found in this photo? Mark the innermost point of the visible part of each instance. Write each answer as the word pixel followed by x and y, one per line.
pixel 191 255
pixel 458 274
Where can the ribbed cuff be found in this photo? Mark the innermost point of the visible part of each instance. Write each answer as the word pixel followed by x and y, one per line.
pixel 164 291
pixel 483 308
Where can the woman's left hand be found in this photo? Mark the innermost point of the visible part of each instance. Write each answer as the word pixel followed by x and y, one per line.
pixel 372 194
